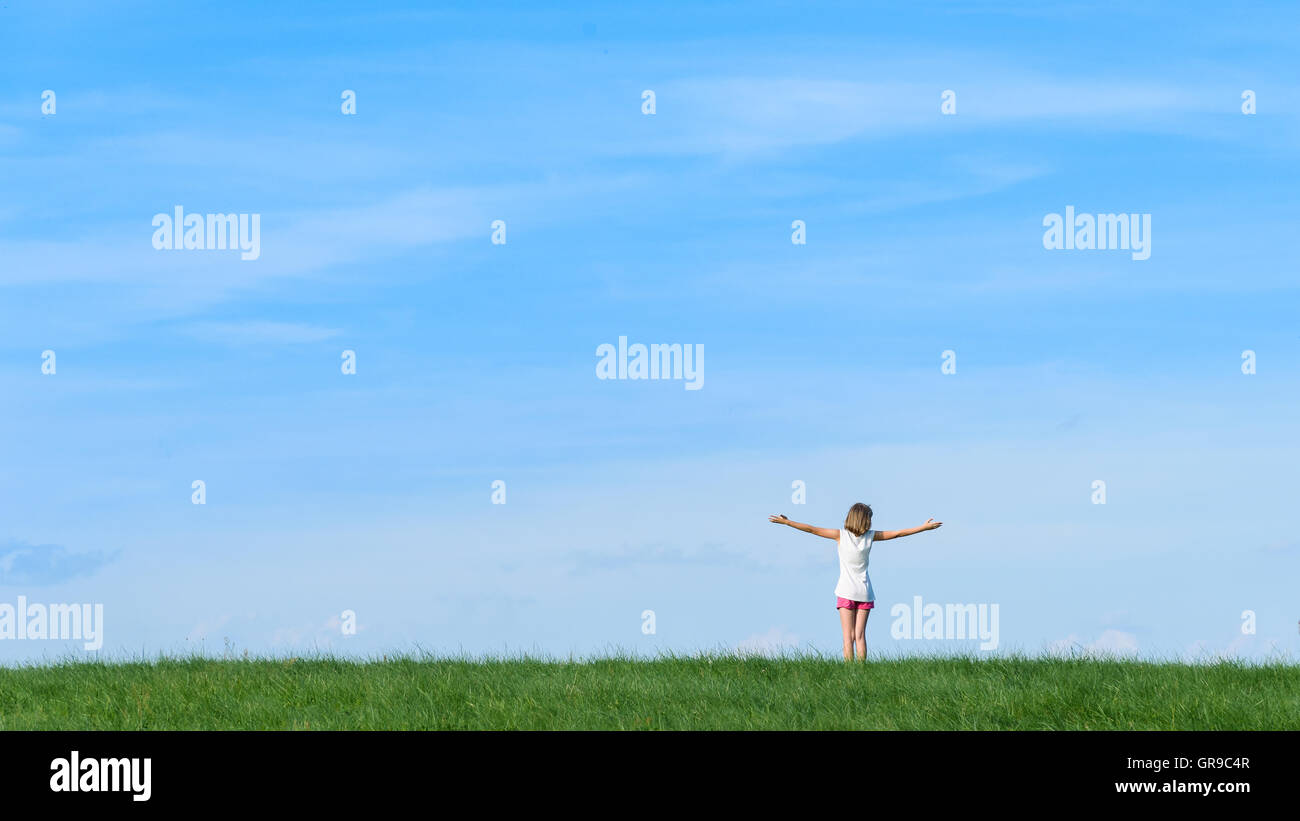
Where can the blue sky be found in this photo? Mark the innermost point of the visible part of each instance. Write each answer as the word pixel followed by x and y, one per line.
pixel 476 362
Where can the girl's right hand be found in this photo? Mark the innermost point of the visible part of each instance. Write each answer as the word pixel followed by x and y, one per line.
pixel 780 519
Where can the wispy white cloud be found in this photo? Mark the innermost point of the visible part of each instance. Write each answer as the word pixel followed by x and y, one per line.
pixel 754 115
pixel 1110 643
pixel 772 643
pixel 261 332
pixel 293 244
pixel 41 564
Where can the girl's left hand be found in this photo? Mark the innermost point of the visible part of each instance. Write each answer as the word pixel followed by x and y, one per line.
pixel 931 524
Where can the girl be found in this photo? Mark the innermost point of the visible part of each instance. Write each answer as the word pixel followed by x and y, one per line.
pixel 854 596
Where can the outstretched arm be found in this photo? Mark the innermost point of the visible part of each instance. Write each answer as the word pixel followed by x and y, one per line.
pixel 885 535
pixel 824 532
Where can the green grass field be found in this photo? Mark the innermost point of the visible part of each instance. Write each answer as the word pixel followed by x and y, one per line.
pixel 698 692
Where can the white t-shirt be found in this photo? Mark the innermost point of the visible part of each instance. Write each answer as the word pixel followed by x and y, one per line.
pixel 854 553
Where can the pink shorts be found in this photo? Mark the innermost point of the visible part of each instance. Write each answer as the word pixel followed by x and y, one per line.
pixel 842 603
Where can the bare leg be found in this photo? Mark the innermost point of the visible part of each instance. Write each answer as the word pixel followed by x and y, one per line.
pixel 846 629
pixel 860 632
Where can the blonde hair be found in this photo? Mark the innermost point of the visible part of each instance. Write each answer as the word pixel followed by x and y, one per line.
pixel 859 519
